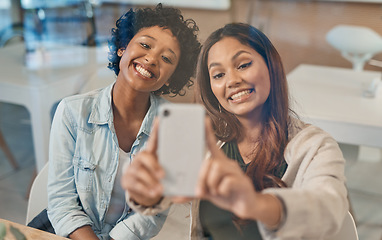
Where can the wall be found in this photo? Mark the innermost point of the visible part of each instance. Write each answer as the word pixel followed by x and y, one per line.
pixel 298 28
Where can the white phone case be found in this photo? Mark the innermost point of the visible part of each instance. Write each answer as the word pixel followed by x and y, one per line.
pixel 181 146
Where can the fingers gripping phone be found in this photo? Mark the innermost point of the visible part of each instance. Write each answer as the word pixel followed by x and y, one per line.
pixel 181 146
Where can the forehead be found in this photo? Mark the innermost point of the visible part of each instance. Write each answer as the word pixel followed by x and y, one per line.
pixel 157 33
pixel 161 36
pixel 228 47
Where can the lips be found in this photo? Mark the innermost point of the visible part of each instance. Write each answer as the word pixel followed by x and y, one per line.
pixel 240 94
pixel 143 71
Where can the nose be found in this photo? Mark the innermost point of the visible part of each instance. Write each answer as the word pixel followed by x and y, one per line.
pixel 151 59
pixel 233 80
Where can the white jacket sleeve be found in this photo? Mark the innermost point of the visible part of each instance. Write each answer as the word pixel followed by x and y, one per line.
pixel 316 198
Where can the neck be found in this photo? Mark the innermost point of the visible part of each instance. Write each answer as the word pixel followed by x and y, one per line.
pixel 251 132
pixel 128 104
pixel 251 125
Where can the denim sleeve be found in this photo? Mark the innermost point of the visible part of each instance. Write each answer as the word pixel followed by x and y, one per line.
pixel 64 210
pixel 139 227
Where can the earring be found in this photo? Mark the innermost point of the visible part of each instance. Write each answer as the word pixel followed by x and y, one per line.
pixel 120 52
pixel 220 109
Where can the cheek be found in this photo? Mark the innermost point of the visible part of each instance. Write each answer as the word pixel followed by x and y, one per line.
pixel 213 88
pixel 267 85
pixel 217 90
pixel 171 70
pixel 123 63
pixel 261 81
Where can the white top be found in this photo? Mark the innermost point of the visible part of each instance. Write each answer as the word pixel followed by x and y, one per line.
pixel 117 201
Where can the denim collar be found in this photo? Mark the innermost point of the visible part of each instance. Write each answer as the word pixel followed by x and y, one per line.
pixel 102 113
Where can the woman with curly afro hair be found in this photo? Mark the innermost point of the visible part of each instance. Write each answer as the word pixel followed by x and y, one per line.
pixel 152 51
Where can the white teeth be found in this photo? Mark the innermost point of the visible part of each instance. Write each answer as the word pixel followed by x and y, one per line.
pixel 240 94
pixel 143 71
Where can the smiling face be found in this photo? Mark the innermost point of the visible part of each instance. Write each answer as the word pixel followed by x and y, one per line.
pixel 239 78
pixel 149 59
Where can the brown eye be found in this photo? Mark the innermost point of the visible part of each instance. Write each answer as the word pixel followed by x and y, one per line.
pixel 245 65
pixel 166 59
pixel 144 45
pixel 217 76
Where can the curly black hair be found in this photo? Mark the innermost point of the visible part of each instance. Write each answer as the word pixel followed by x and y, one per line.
pixel 185 30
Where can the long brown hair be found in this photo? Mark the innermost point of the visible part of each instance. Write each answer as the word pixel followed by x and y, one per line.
pixel 268 157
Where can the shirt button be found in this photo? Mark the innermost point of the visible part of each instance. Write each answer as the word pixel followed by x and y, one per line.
pixel 110 179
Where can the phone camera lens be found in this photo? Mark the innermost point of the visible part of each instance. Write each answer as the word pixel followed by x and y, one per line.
pixel 166 113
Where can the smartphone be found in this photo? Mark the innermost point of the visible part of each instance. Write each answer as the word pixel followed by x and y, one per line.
pixel 181 146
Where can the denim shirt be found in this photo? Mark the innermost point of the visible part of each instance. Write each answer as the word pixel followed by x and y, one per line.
pixel 83 162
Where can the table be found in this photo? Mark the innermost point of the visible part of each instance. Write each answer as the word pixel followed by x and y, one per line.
pixel 38 90
pixel 331 98
pixel 28 232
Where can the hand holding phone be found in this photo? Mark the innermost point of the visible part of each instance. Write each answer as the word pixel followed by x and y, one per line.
pixel 181 147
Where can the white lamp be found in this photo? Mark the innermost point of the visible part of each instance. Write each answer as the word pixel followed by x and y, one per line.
pixel 356 43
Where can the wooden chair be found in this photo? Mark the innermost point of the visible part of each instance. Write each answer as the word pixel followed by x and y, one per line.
pixel 6 37
pixel 7 152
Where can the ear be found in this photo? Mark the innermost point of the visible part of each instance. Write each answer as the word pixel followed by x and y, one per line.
pixel 120 52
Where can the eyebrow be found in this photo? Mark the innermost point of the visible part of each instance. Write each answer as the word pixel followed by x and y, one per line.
pixel 169 49
pixel 232 59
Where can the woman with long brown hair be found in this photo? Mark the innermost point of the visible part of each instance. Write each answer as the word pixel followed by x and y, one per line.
pixel 271 176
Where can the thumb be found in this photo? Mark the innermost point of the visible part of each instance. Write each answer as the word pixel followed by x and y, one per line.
pixel 152 143
pixel 211 139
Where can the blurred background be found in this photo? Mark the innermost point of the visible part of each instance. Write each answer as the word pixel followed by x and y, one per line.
pixel 50 49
